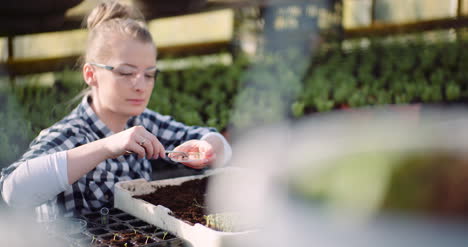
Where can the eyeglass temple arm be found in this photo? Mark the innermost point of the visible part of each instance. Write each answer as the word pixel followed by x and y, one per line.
pixel 102 66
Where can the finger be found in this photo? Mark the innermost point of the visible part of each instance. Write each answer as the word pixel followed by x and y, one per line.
pixel 150 145
pixel 162 150
pixel 209 153
pixel 188 146
pixel 206 148
pixel 138 149
pixel 155 145
pixel 210 159
pixel 198 164
pixel 146 140
pixel 181 148
pixel 146 143
pixel 157 148
pixel 195 164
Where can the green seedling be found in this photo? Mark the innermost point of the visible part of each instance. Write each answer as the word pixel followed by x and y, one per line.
pixel 115 236
pixel 164 236
pixel 196 204
pixel 125 245
pixel 147 237
pixel 220 222
pixel 94 239
pixel 208 220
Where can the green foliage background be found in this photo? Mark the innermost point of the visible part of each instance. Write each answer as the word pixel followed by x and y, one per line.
pixel 267 89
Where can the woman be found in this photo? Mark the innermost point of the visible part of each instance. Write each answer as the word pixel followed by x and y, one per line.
pixel 110 136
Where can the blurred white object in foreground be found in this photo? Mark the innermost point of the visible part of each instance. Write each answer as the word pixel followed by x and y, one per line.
pixel 19 228
pixel 354 162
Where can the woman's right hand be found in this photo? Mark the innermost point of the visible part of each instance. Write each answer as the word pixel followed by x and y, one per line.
pixel 134 140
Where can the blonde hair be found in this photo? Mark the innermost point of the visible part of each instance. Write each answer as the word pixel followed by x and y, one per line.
pixel 110 17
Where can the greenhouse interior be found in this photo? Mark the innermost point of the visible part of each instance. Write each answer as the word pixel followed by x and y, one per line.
pixel 225 123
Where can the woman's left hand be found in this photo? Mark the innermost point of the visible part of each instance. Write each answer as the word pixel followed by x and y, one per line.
pixel 205 148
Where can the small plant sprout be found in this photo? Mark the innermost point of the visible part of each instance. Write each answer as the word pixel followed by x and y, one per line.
pixel 220 222
pixel 115 236
pixel 196 204
pixel 94 239
pixel 134 230
pixel 208 220
pixel 164 236
pixel 125 245
pixel 147 237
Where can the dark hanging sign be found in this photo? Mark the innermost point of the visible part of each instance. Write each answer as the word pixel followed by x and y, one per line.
pixel 302 24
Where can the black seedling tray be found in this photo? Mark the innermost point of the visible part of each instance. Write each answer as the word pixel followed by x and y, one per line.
pixel 118 228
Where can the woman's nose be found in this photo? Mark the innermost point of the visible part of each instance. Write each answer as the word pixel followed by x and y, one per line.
pixel 139 81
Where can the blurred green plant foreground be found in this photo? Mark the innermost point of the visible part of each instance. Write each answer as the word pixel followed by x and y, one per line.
pixel 263 90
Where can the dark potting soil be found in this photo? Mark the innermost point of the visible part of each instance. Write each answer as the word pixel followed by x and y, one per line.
pixel 186 201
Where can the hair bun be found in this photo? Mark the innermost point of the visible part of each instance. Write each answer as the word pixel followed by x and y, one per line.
pixel 111 9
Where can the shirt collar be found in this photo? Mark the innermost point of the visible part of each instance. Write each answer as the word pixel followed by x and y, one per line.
pixel 88 114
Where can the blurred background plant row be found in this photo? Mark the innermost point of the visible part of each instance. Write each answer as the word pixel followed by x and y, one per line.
pixel 261 90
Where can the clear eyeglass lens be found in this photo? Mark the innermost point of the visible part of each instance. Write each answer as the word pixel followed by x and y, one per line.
pixel 125 71
pixel 132 73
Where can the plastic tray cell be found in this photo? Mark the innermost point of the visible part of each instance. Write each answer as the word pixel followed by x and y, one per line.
pixel 122 229
pixel 138 223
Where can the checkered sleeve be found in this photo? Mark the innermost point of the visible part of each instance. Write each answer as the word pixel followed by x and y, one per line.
pixel 59 137
pixel 170 132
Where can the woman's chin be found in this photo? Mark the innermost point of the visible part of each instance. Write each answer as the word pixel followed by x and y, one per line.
pixel 134 112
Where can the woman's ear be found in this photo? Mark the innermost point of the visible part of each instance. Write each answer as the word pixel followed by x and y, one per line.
pixel 89 75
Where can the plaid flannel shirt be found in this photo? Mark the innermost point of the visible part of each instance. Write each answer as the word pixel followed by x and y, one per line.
pixel 95 189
